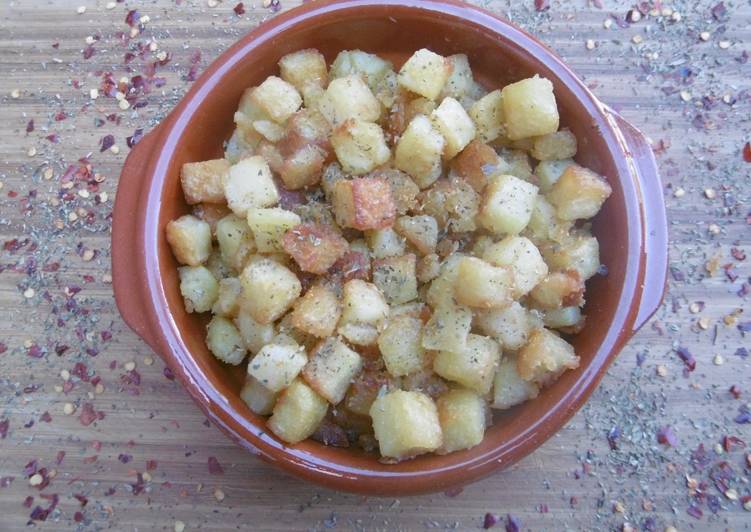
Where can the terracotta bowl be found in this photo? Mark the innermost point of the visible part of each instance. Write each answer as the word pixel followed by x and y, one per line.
pixel 632 229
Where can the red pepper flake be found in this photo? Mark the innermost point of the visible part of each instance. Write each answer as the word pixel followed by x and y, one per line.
pixel 81 371
pixel 134 138
pixel 490 520
pixel 132 18
pixel 151 465
pixel 747 152
pixel 719 12
pixel 54 138
pixel 28 501
pixel 666 436
pixel 168 374
pixel 738 254
pixel 46 417
pixel 88 52
pixel 35 351
pixel 542 5
pixel 694 511
pixel 744 415
pixel 215 468
pixel 4 425
pixel 513 524
pixel 3 348
pixel 59 457
pixel 239 9
pixel 80 497
pixel 106 142
pixel 125 458
pixel 60 116
pixel 6 481
pixel 688 359
pixel 613 434
pixel 78 517
pixel 91 459
pixel 730 272
pixel 89 415
pixel 30 126
pixel 732 442
pixel 275 6
pixel 735 391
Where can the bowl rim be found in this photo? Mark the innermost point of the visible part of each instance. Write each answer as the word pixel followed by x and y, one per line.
pixel 303 463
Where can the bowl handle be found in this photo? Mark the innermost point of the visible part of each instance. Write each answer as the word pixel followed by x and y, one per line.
pixel 654 219
pixel 128 265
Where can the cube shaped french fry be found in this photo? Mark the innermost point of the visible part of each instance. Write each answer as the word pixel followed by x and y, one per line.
pixel 419 151
pixel 277 98
pixel 198 287
pixel 453 122
pixel 487 113
pixel 254 334
pixel 297 413
pixel 524 259
pixel 203 182
pixel 507 204
pixel 529 108
pixel 396 278
pixel 227 302
pixel 474 366
pixel 349 98
pixel 360 146
pixel 545 357
pixel 331 368
pixel 425 73
pixel 579 193
pixel 236 241
pixel 477 164
pixel 250 185
pixel 259 399
pixel 447 328
pixel 277 365
pixel 557 145
pixel 364 312
pixel 481 285
pixel 462 415
pixel 509 389
pixel 314 247
pixel 421 231
pixel 269 227
pixel 510 326
pixel 317 312
pixel 269 289
pixel 405 424
pixel 224 341
pixel 363 203
pixel 400 344
pixel 190 240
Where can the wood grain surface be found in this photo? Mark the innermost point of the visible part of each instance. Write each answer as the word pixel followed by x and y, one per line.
pixel 138 453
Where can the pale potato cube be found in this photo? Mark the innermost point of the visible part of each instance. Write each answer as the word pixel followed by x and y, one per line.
pixel 414 309
pixel 297 413
pixel 216 265
pixel 425 73
pixel 204 181
pixel 211 213
pixel 563 318
pixel 462 414
pixel 224 341
pixel 303 168
pixel 453 203
pixel 385 243
pixel 441 291
pixel 400 344
pixel 559 289
pixel 277 365
pixel 428 268
pixel 510 326
pixel 419 151
pixel 460 83
pixel 447 328
pixel 421 231
pixel 269 289
pixel 545 225
pixel 473 367
pixel 259 399
pixel 269 226
pixel 478 163
pixel 453 122
pixel 507 205
pixel 509 389
pixel 317 312
pixel 550 171
pixel 198 287
pixel 529 108
pixel 277 98
pixel 405 424
pixel 227 302
pixel 545 357
pixel 580 253
pixel 364 312
pixel 250 185
pixel 524 259
pixel 349 97
pixel 190 240
pixel 386 90
pixel 403 189
pixel 235 240
pixel 418 106
pixel 363 203
pixel 517 162
pixel 360 146
pixel 247 112
pixel 331 368
pixel 255 335
pixel 314 247
pixel 481 285
pixel 558 145
pixel 371 68
pixel 425 381
pixel 579 193
pixel 487 113
pixel 240 146
pixel 306 70
pixel 269 130
pixel 396 278
pixel 271 154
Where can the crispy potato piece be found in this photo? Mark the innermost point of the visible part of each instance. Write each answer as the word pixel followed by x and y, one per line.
pixel 271 154
pixel 481 285
pixel 529 108
pixel 364 312
pixel 403 189
pixel 363 203
pixel 549 172
pixel 419 151
pixel 558 145
pixel 509 389
pixel 371 68
pixel 314 247
pixel 425 73
pixel 203 182
pixel 224 341
pixel 487 112
pixel 259 399
pixel 198 287
pixel 227 303
pixel 510 326
pixel 269 227
pixel 317 312
pixel 524 259
pixel 255 335
pixel 211 213
pixel 405 424
pixel 396 278
pixel 579 193
pixel 428 268
pixel 564 318
pixel 477 164
pixel 276 365
pixel 545 357
pixel 331 368
pixel 306 70
pixel 303 168
pixel 250 185
pixel 559 289
pixel 421 231
pixel 305 128
pixel 454 205
pixel 507 205
pixel 460 83
pixel 360 146
pixel 349 97
pixel 269 289
pixel 455 125
pixel 400 344
pixel 235 240
pixel 473 367
pixel 277 98
pixel 297 413
pixel 447 328
pixel 462 415
pixel 190 240
pixel 576 252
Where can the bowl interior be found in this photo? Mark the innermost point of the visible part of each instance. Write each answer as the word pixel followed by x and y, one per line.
pixel 495 60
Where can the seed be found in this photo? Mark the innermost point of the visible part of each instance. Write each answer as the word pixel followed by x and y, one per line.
pixel 627 528
pixel 83 193
pixel 144 19
pixel 15 94
pixel 146 476
pixel 90 39
pixel 48 173
pixel 58 388
pixel 29 293
pixel 266 3
pixel 69 409
pixel 111 5
pixel 103 197
pixel 747 505
pixel 634 15
pixel 607 23
pixel 666 11
pixel 52 473
pixel 731 494
pixel 130 366
pixel 65 375
pixel 710 193
pixel 679 192
pixel 662 371
pixel 718 449
pixel 703 323
pixel 676 16
pixel 153 46
pixel 718 360
pixel 618 507
pixel 218 494
pixel 99 389
pixel 87 255
pixel 704 36
pixel 179 525
pixel 670 529
pixel 36 479
pixel 162 55
pixel 123 104
pixel 148 360
pixel 210 3
pixel 590 44
pixel 115 149
pixel 106 278
pixel 694 308
pixel 714 229
pixel 637 39
pixel 724 45
pixel 686 96
pixel 31 152
pixel 81 10
pixel 94 94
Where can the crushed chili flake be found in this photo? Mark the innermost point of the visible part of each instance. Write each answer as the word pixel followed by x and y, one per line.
pixel 30 126
pixel 719 12
pixel 4 425
pixel 694 511
pixel 59 458
pixel 3 348
pixel 168 374
pixel 735 391
pixel 239 9
pixel 106 142
pixel 151 465
pixel 688 359
pixel 542 5
pixel 490 520
pixel 613 434
pixel 89 414
pixel 6 481
pixel 215 468
pixel 134 138
pixel 513 524
pixel 732 442
pixel 747 152
pixel 666 436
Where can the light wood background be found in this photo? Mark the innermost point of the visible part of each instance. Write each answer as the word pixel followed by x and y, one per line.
pixel 574 481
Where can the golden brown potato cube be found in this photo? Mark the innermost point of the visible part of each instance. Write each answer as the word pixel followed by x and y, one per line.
pixel 235 240
pixel 396 278
pixel 204 181
pixel 425 73
pixel 405 424
pixel 473 367
pixel 579 193
pixel 269 130
pixel 277 98
pixel 250 185
pixel 529 108
pixel 360 146
pixel 544 225
pixel 509 389
pixel 331 368
pixel 216 265
pixel 385 243
pixel 190 240
pixel 277 365
pixel 545 357
pixel 481 285
pixel 317 312
pixel 558 145
pixel 303 168
pixel 269 227
pixel 425 381
pixel 487 113
pixel 477 163
pixel 241 145
pixel 314 247
pixel 507 204
pixel 419 151
pixel 306 70
pixel 559 289
pixel 517 162
pixel 549 172
pixel 363 203
pixel 462 415
pixel 364 312
pixel 565 318
pixel 349 97
pixel 198 287
pixel 211 213
pixel 421 231
pixel 460 83
pixel 510 326
pixel 305 128
pixel 371 68
pixel 224 341
pixel 454 204
pixel 441 291
pixel 297 413
pixel 579 252
pixel 227 302
pixel 259 399
pixel 447 328
pixel 428 268
pixel 255 335
pixel 248 111
pixel 400 344
pixel 524 259
pixel 453 122
pixel 270 153
pixel 269 289
pixel 403 189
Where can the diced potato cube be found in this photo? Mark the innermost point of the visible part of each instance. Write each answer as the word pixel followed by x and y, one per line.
pixel 385 243
pixel 250 185
pixel 454 204
pixel 405 424
pixel 271 154
pixel 211 213
pixel 364 391
pixel 216 265
pixel 517 162
pixel 240 145
pixel 331 368
pixel 198 287
pixel 419 151
pixel 507 205
pixel 580 253
pixel 396 278
pixel 481 285
pixel 305 128
pixel 303 168
pixel 259 399
pixel 247 112
pixel 529 108
pixel 277 98
pixel 460 82
pixel 332 174
pixel 550 171
pixel 269 130
pixel 414 309
pixel 462 415
pixel 360 146
pixel 579 193
pixel 224 341
pixel 509 389
pixel 354 264
pixel 386 89
pixel 306 70
pixel 428 268
pixel 204 181
pixel 558 145
pixel 473 367
pixel 314 247
pixel 255 335
pixel 559 289
pixel 425 73
pixel 349 97
pixel 317 312
pixel 545 357
pixel 227 302
pixel 400 344
pixel 524 259
pixel 510 326
pixel 425 381
pixel 544 225
pixel 363 203
pixel 418 106
pixel 269 227
pixel 364 312
pixel 478 163
pixel 441 291
pixel 235 241
pixel 487 112
pixel 447 328
pixel 455 125
pixel 277 365
pixel 421 231
pixel 564 317
pixel 371 68
pixel 297 413
pixel 190 240
pixel 403 189
pixel 269 289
